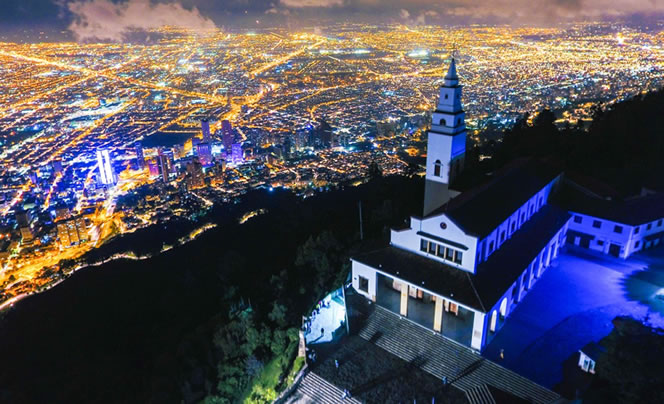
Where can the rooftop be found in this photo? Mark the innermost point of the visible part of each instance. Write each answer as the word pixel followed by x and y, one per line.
pixel 480 210
pixel 634 211
pixel 479 291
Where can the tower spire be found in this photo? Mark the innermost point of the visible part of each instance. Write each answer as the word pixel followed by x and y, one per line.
pixel 451 78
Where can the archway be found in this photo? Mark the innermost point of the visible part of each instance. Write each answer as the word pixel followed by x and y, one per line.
pixel 492 326
pixel 503 308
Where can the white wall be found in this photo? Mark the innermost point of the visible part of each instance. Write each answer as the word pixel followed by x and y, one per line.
pixel 409 239
pixel 518 217
pixel 359 269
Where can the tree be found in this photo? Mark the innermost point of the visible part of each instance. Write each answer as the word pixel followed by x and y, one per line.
pixel 628 372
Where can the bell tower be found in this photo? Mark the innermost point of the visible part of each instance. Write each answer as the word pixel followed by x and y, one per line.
pixel 446 144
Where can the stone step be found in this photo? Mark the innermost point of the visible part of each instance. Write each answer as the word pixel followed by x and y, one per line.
pixel 322 391
pixel 446 358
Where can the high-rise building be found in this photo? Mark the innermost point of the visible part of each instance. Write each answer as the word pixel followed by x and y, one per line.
pixel 164 165
pixel 153 167
pixel 204 152
pixel 205 128
pixel 106 173
pixel 140 159
pixel 227 136
pixel 236 154
pixel 195 177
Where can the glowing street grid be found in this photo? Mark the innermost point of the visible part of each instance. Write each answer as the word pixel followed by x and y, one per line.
pixel 573 304
pixel 372 85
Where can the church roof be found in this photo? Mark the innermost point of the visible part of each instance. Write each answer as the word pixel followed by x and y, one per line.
pixel 480 291
pixel 480 210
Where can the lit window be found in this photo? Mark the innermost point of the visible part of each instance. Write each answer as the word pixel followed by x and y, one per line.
pixel 458 257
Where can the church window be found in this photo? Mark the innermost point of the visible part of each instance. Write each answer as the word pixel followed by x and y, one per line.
pixel 364 284
pixel 437 166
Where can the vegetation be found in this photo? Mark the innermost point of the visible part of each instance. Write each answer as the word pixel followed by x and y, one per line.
pixel 622 147
pixel 631 370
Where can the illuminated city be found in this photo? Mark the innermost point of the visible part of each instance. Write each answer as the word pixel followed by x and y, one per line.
pixel 307 201
pixel 61 102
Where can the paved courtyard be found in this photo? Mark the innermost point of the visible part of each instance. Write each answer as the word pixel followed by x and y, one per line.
pixel 573 304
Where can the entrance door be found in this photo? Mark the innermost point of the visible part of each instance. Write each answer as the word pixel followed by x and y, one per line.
pixel 614 249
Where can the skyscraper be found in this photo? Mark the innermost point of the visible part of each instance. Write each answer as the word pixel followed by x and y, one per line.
pixel 106 174
pixel 140 159
pixel 204 152
pixel 227 136
pixel 205 128
pixel 164 168
pixel 236 154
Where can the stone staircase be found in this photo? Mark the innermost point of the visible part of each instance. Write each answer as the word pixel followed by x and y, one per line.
pixel 480 395
pixel 442 357
pixel 318 390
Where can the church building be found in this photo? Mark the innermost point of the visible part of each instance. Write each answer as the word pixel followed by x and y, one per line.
pixel 463 266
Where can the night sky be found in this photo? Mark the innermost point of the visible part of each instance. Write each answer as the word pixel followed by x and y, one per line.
pixel 109 19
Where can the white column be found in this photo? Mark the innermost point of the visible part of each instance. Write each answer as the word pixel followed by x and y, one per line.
pixel 478 330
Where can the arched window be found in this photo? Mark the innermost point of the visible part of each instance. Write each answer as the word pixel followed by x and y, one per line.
pixel 492 325
pixel 442 122
pixel 437 167
pixel 503 308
